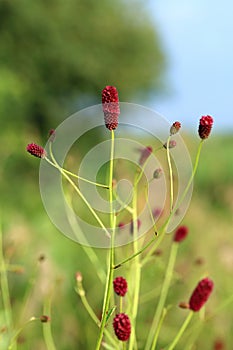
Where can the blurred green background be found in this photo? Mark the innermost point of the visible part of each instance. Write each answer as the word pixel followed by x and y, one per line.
pixel 55 58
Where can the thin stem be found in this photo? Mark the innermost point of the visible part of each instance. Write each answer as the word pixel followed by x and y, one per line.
pixel 90 252
pixel 181 331
pixel 162 299
pixel 70 173
pixel 109 281
pixel 157 331
pixel 188 185
pixel 6 293
pixel 123 262
pixel 170 175
pixel 48 338
pixel 166 223
pixel 80 194
pixel 17 333
pixel 136 268
pixel 81 292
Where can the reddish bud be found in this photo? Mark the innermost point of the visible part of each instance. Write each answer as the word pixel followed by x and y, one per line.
pixel 205 126
pixel 120 286
pixel 121 225
pixel 219 345
pixel 157 212
pixel 158 173
pixel 111 108
pixel 52 135
pixel 172 144
pixel 180 234
pixel 44 319
pixel 122 326
pixel 201 294
pixel 36 150
pixel 184 305
pixel 78 277
pixel 175 128
pixel 145 153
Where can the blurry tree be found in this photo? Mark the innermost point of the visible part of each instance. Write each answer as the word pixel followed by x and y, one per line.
pixel 56 53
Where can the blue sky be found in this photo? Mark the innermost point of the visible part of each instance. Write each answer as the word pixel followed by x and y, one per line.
pixel 198 38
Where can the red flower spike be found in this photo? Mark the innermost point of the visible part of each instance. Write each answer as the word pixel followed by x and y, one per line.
pixel 111 108
pixel 145 153
pixel 175 128
pixel 180 234
pixel 201 294
pixel 205 126
pixel 36 150
pixel 122 326
pixel 120 286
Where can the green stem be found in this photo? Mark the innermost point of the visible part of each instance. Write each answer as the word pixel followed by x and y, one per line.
pixel 6 294
pixel 80 194
pixel 187 187
pixel 17 333
pixel 69 172
pixel 157 331
pixel 81 292
pixel 48 338
pixel 109 281
pixel 170 175
pixel 181 331
pixel 162 299
pixel 136 269
pixel 90 252
pixel 166 223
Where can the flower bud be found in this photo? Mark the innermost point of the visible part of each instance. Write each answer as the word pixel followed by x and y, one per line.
pixel 44 318
pixel 52 135
pixel 172 144
pixel 175 128
pixel 158 173
pixel 145 153
pixel 180 234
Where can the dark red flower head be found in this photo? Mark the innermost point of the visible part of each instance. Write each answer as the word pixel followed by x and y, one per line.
pixel 175 128
pixel 36 150
pixel 205 126
pixel 111 108
pixel 120 286
pixel 145 153
pixel 180 234
pixel 201 294
pixel 122 326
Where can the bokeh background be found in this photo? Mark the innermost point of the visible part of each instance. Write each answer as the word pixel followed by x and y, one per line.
pixel 55 58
